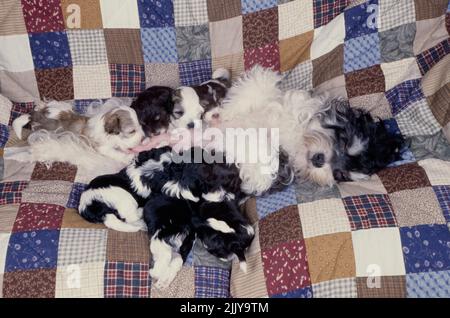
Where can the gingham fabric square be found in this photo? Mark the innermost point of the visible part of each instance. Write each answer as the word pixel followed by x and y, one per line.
pixel 159 45
pixel 190 12
pixel 272 202
pixel 361 52
pixel 438 171
pixel 295 17
pixel 50 50
pixel 369 211
pixel 91 81
pixel 249 6
pixel 432 56
pixel 156 13
pixel 211 282
pixel 338 288
pixel 404 94
pixel 428 285
pixel 196 72
pixel 11 192
pixel 443 196
pixel 75 193
pixel 193 43
pixel 130 280
pixel 127 80
pixel 366 11
pixel 299 77
pixel 399 71
pixel 395 13
pixel 77 246
pixel 417 120
pixel 80 281
pixel 326 10
pixel 87 47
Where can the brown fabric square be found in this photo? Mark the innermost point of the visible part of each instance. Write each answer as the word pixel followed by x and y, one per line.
pixel 8 214
pixel 439 104
pixel 328 66
pixel 89 13
pixel 366 81
pixel 124 46
pixel 72 219
pixel 389 287
pixel 55 83
pixel 260 28
pixel 58 171
pixel 404 177
pixel 128 247
pixel 280 227
pixel 30 284
pixel 428 9
pixel 223 9
pixel 251 211
pixel 330 257
pixel 234 63
pixel 295 50
pixel 11 17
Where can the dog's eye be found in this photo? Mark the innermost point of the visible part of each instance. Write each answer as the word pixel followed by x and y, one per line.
pixel 157 118
pixel 132 132
pixel 215 116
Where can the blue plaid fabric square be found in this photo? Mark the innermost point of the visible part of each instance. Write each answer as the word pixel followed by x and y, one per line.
pixel 159 45
pixel 81 105
pixel 32 250
pixel 11 192
pixel 50 50
pixel 127 80
pixel 326 10
pixel 306 292
pixel 404 94
pixel 249 6
pixel 156 13
pixel 196 72
pixel 74 197
pixel 211 282
pixel 130 280
pixel 443 196
pixel 361 52
pixel 273 202
pixel 426 248
pixel 361 19
pixel 4 135
pixel 428 285
pixel 427 59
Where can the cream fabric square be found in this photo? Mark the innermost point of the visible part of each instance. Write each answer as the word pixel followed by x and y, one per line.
pixel 251 284
pixel 4 240
pixel 15 53
pixel 400 71
pixel 5 110
pixel 15 170
pixel 295 17
pixel 91 81
pixel 20 86
pixel 329 36
pixel 373 185
pixel 323 217
pixel 80 280
pixel 378 252
pixel 120 14
pixel 226 37
pixel 395 13
pixel 429 33
pixel 438 171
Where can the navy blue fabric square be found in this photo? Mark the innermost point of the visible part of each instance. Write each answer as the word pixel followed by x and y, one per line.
pixel 32 250
pixel 74 197
pixel 50 50
pixel 4 135
pixel 196 72
pixel 211 282
pixel 156 13
pixel 426 248
pixel 443 196
pixel 404 94
pixel 306 292
pixel 406 154
pixel 361 19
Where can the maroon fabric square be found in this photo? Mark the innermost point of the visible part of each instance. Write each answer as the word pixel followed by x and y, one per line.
pixel 405 177
pixel 43 16
pixel 55 83
pixel 267 56
pixel 260 28
pixel 38 283
pixel 58 171
pixel 38 216
pixel 366 81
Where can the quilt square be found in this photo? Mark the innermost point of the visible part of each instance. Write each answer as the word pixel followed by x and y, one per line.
pixel 295 50
pixel 328 37
pixel 58 171
pixel 4 241
pixel 275 201
pixel 418 119
pixel 430 9
pixel 361 52
pixel 92 81
pixel 36 283
pixel 16 55
pixel 300 77
pixel 266 56
pixel 251 284
pixel 124 46
pixel 226 37
pixel 323 217
pixel 51 192
pixel 55 83
pixel 281 226
pixel 13 84
pixel 181 287
pixel 416 207
pixel 327 10
pixel 159 45
pixel 338 288
pixel 201 257
pixel 78 246
pixel 392 15
pixel 223 9
pixel 128 247
pixel 428 285
pixel 12 19
pixel 328 66
pixel 286 267
pixel 38 216
pixel 32 250
pixel 80 281
pixel 162 74
pixel 50 50
pixel 306 292
pixel 399 71
pixel 381 287
pixel 361 19
pixel 437 171
pixel 87 47
pixel 260 28
pixel 310 191
pixel 75 193
pixel 369 211
pixel 443 196
pixel 378 252
pixel 37 13
pixel 8 215
pixel 405 177
pixel 439 103
pixel 397 43
pixel 427 59
pixel 426 248
pixel 120 14
pixel 211 282
pixel 190 12
pixel 156 13
pixel 249 6
pixel 19 109
pixel 429 33
pixel 126 280
pixel 127 80
pixel 196 72
pixel 366 81
pixel 72 219
pixel 4 135
pixel 193 43
pixel 372 185
pixel 295 17
pixel 82 14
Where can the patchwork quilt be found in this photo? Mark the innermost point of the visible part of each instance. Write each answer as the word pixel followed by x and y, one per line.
pixel 383 237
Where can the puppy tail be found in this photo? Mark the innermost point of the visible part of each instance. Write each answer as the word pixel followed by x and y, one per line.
pixel 221 74
pixel 19 123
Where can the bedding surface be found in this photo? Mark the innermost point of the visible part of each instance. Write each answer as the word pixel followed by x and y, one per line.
pixel 383 237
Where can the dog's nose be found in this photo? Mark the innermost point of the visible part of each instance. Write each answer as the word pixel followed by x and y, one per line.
pixel 191 125
pixel 318 160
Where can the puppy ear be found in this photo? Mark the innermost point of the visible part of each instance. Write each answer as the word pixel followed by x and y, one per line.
pixel 112 124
